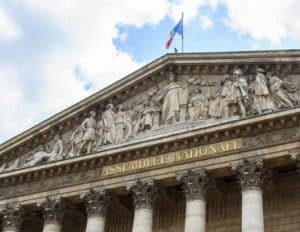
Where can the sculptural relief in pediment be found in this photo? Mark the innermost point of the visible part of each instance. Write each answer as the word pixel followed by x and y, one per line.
pixel 177 99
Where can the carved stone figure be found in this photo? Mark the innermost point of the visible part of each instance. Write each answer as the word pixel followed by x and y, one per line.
pixel 261 94
pixel 147 116
pixel 196 105
pixel 155 104
pixel 144 119
pixel 170 98
pixel 58 148
pixel 38 157
pixel 89 133
pixel 120 124
pixel 75 140
pixel 128 124
pixel 281 97
pixel 219 106
pixel 239 95
pixel 100 133
pixel 10 166
pixel 109 125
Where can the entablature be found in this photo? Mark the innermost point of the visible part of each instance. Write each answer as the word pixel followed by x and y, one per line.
pixel 254 134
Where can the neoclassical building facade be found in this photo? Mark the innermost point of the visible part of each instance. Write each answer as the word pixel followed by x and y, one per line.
pixel 190 142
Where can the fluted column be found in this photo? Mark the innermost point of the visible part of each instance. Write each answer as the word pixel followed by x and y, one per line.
pixel 251 176
pixel 53 212
pixel 194 184
pixel 96 201
pixel 12 218
pixel 144 193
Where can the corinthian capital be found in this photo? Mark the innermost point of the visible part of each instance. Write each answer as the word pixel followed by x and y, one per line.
pixel 194 183
pixel 97 201
pixel 53 209
pixel 12 217
pixel 252 173
pixel 144 192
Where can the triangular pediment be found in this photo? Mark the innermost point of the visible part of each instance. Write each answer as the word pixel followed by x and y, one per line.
pixel 175 93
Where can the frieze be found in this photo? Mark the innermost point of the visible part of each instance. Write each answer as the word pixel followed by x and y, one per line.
pixel 186 155
pixel 175 99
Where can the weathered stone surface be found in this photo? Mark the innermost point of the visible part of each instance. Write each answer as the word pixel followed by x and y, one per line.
pixel 96 201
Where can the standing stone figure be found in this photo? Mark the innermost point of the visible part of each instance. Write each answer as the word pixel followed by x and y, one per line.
pixel 220 105
pixel 88 126
pixel 75 141
pixel 262 101
pixel 239 97
pixel 147 116
pixel 109 125
pixel 100 133
pixel 144 119
pixel 281 96
pixel 196 104
pixel 170 105
pixel 120 124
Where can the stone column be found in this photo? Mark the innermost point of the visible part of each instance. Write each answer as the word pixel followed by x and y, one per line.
pixel 144 193
pixel 251 176
pixel 96 201
pixel 194 184
pixel 53 213
pixel 12 218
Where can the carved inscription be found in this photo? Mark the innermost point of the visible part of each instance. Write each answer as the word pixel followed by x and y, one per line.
pixel 134 165
pixel 210 149
pixel 174 157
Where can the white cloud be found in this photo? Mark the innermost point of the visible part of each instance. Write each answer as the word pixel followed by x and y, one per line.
pixel 16 114
pixel 206 22
pixel 190 8
pixel 87 56
pixel 265 19
pixel 8 28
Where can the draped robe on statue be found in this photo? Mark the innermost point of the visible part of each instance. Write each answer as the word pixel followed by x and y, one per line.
pixel 170 106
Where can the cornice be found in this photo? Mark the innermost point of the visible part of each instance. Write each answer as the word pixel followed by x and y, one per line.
pixel 189 63
pixel 248 127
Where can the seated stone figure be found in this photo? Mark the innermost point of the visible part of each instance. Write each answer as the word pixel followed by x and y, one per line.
pixel 38 157
pixel 42 156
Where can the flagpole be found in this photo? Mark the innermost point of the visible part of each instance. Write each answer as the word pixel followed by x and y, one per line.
pixel 182 35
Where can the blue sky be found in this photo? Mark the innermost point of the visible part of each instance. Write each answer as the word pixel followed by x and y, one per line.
pixel 55 53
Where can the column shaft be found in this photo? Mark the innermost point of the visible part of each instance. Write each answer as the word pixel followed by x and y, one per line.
pixel 143 219
pixel 251 175
pixel 252 211
pixel 11 230
pixel 195 215
pixel 194 184
pixel 144 193
pixel 95 223
pixel 97 202
pixel 52 227
pixel 53 212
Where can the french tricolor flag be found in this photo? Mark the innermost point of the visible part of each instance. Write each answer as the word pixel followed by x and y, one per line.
pixel 177 29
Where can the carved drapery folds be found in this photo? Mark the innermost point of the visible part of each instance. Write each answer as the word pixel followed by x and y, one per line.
pixel 252 173
pixel 177 99
pixel 96 201
pixel 53 209
pixel 144 192
pixel 12 217
pixel 194 183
